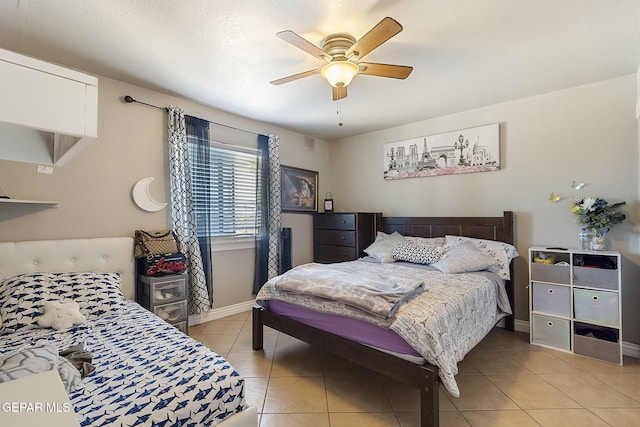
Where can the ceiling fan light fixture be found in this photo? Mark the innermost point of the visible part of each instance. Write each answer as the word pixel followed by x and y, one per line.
pixel 339 73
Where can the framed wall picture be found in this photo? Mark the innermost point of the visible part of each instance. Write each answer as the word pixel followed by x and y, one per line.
pixel 462 151
pixel 299 189
pixel 328 202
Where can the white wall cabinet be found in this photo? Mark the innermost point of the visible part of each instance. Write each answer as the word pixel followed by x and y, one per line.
pixel 575 302
pixel 47 112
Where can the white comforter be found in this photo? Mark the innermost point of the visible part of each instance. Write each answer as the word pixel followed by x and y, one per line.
pixel 443 323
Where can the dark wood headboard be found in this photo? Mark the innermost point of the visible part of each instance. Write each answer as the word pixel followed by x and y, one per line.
pixel 490 228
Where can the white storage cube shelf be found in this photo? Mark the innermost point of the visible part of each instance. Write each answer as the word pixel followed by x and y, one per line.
pixel 575 302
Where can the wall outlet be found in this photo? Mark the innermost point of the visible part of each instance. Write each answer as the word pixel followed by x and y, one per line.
pixel 45 169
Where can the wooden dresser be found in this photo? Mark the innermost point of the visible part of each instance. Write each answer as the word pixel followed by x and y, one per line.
pixel 341 237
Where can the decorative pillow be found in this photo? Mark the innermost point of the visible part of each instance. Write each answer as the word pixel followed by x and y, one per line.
pixel 464 258
pixel 60 315
pixel 417 253
pixel 22 297
pixel 34 360
pixel 382 248
pixel 501 252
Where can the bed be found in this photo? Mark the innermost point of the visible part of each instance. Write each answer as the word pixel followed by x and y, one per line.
pixel 134 377
pixel 291 314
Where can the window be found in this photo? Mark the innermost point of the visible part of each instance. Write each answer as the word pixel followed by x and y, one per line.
pixel 230 187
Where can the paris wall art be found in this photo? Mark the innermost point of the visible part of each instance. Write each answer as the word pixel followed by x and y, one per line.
pixel 462 151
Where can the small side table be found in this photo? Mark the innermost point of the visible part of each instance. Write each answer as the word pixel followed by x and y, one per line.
pixel 166 297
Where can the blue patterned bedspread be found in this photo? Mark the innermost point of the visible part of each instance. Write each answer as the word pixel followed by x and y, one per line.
pixel 147 373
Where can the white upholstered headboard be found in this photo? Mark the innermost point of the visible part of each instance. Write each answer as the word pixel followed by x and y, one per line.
pixel 104 254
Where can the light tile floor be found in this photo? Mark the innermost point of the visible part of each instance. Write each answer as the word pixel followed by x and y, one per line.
pixel 504 381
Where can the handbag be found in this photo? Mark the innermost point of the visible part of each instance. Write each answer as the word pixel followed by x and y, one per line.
pixel 158 253
pixel 156 242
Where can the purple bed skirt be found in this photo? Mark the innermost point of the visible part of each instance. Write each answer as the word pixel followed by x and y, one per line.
pixel 351 329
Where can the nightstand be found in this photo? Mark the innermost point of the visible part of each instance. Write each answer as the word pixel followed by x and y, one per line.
pixel 166 297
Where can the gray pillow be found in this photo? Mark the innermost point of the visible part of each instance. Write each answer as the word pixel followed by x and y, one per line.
pixel 382 248
pixel 502 253
pixel 463 258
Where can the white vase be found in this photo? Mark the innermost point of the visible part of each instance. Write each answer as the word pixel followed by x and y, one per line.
pixel 598 243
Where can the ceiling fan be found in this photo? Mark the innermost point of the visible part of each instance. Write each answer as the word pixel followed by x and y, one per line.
pixel 344 54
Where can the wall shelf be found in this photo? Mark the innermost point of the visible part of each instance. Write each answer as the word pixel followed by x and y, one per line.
pixel 51 203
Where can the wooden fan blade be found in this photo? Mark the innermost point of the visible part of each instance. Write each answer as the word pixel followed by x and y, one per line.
pixel 295 77
pixel 339 92
pixel 385 70
pixel 379 34
pixel 301 43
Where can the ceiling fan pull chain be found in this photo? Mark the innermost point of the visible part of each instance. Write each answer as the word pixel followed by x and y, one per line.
pixel 339 113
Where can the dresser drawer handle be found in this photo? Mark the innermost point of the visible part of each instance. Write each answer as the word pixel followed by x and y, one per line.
pixel 595 298
pixel 343 238
pixel 551 291
pixel 549 323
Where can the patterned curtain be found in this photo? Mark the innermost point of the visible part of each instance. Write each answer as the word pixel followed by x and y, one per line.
pixel 268 210
pixel 182 212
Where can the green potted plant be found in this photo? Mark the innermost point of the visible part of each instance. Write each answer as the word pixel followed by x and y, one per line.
pixel 599 216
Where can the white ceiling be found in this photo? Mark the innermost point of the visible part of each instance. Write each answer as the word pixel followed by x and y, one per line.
pixel 465 53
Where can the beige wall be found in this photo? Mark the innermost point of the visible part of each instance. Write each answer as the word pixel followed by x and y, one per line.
pixel 587 133
pixel 94 187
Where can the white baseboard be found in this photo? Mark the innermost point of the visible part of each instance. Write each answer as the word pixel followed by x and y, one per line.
pixel 518 325
pixel 521 326
pixel 631 349
pixel 219 313
pixel 628 348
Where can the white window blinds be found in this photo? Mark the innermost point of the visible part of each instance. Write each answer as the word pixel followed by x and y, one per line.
pixel 230 188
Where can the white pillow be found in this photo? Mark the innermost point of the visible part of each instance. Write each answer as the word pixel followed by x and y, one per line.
pixel 382 248
pixel 502 253
pixel 464 258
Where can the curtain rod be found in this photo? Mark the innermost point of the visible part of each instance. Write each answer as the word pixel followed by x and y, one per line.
pixel 128 99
